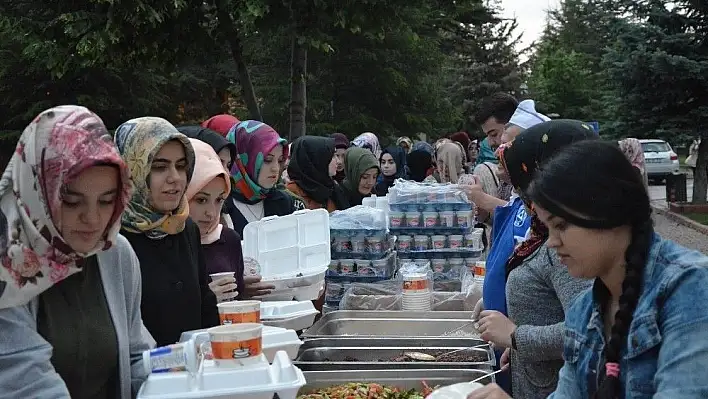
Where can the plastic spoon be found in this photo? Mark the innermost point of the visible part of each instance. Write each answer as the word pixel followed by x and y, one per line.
pixel 424 357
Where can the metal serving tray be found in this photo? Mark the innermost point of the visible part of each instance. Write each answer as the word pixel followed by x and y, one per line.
pixel 356 323
pixel 331 353
pixel 401 378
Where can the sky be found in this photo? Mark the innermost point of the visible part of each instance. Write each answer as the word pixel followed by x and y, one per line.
pixel 531 16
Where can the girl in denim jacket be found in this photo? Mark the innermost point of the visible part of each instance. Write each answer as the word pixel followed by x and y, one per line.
pixel 642 330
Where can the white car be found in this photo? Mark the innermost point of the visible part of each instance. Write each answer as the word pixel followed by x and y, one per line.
pixel 660 159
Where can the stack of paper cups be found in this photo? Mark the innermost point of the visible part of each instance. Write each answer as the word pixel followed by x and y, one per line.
pixel 417 293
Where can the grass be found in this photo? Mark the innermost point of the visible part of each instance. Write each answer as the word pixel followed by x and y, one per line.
pixel 701 218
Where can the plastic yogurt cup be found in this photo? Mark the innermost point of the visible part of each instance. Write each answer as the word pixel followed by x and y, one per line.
pixel 422 262
pixel 463 218
pixel 438 265
pixel 334 265
pixel 358 244
pixel 374 245
pixel 413 219
pixel 404 243
pixel 364 268
pixel 346 266
pixel 236 345
pixel 421 243
pixel 235 312
pixel 415 283
pixel 396 218
pixel 438 242
pixel 455 241
pixel 430 219
pixel 447 218
pixel 176 357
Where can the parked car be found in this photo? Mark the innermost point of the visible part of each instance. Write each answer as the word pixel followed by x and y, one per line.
pixel 660 159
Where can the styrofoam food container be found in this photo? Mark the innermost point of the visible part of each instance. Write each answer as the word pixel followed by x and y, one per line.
pixel 456 391
pixel 234 312
pixel 277 339
pixel 295 281
pixel 285 246
pixel 258 382
pixel 237 345
pixel 295 315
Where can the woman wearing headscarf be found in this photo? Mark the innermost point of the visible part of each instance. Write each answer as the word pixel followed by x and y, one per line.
pixel 420 165
pixel 405 143
pixel 632 149
pixel 312 165
pixel 551 288
pixel 369 141
pixel 223 148
pixel 70 285
pixel 221 123
pixel 485 153
pixel 176 297
pixel 362 169
pixel 341 144
pixel 256 172
pixel 450 162
pixel 393 166
pixel 207 191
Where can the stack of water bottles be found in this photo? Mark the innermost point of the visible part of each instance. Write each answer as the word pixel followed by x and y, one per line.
pixel 434 224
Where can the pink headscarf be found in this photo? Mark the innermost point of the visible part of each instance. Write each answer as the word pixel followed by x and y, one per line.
pixel 207 167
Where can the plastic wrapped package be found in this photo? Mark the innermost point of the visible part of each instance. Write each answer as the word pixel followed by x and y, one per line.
pixel 410 192
pixel 358 218
pixel 382 268
pixel 387 295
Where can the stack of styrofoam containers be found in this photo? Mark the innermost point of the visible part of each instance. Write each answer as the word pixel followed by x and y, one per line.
pixel 434 223
pixel 417 294
pixel 261 381
pixel 293 252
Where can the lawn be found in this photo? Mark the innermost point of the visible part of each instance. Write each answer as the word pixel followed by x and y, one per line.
pixel 701 218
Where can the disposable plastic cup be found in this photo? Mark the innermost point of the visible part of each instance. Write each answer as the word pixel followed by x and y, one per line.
pixel 404 243
pixel 358 244
pixel 480 268
pixel 375 245
pixel 455 241
pixel 334 265
pixel 216 276
pixel 237 345
pixel 430 219
pixel 422 243
pixel 439 265
pixel 438 242
pixel 343 244
pixel 447 218
pixel 346 266
pixel 396 218
pixel 463 218
pixel 413 219
pixel 415 283
pixel 235 312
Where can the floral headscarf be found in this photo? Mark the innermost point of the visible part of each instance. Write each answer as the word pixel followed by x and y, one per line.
pixel 53 150
pixel 632 149
pixel 254 141
pixel 405 140
pixel 526 154
pixel 369 141
pixel 138 141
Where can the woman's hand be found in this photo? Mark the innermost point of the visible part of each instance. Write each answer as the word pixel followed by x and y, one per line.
pixel 491 391
pixel 505 359
pixel 224 288
pixel 254 287
pixel 496 328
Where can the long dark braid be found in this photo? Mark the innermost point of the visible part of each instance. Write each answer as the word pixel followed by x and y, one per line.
pixel 636 258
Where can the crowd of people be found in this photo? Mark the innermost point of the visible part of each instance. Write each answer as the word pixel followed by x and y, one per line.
pixel 107 242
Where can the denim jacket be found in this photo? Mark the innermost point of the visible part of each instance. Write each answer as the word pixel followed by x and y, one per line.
pixel 666 353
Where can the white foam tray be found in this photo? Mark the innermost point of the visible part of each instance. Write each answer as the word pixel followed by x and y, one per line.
pixel 306 293
pixel 257 382
pixel 291 315
pixel 274 339
pixel 286 246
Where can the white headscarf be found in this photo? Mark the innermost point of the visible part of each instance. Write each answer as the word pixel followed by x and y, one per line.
pixel 526 115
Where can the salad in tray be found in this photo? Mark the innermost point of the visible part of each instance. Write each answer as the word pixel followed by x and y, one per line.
pixel 360 390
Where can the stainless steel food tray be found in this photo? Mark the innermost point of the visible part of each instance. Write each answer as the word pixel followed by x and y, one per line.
pixel 330 353
pixel 356 323
pixel 401 378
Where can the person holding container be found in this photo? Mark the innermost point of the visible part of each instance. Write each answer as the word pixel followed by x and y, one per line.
pixel 641 331
pixel 70 285
pixel 209 188
pixel 176 297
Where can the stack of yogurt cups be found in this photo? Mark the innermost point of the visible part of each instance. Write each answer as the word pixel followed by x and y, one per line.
pixel 417 292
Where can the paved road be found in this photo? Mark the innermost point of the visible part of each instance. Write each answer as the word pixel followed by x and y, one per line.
pixel 683 235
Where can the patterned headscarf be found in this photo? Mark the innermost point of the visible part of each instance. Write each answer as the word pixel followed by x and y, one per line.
pixel 254 141
pixel 632 149
pixel 138 141
pixel 452 157
pixel 405 140
pixel 54 149
pixel 423 146
pixel 369 141
pixel 523 156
